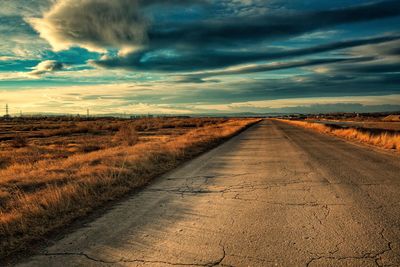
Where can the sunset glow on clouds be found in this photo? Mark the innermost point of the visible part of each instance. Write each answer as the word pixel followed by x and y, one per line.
pixel 199 56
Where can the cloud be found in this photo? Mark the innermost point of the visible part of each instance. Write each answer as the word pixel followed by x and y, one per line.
pixel 46 67
pixel 120 98
pixel 18 39
pixel 23 7
pixel 270 67
pixel 241 89
pixel 328 105
pixel 7 58
pixel 373 67
pixel 386 49
pixel 97 25
pixel 100 25
pixel 203 59
pixel 92 24
pixel 232 31
pixel 326 108
pixel 386 60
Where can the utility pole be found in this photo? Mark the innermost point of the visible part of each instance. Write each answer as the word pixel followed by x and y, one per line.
pixel 87 113
pixel 7 115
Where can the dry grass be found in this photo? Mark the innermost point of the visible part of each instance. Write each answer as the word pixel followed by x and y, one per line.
pixel 383 140
pixel 19 141
pixel 377 124
pixel 40 197
pixel 126 135
pixel 389 126
pixel 52 139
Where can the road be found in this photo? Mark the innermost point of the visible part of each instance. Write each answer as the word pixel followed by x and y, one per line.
pixel 275 195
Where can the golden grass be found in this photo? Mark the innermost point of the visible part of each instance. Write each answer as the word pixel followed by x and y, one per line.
pixel 41 197
pixel 28 141
pixel 382 140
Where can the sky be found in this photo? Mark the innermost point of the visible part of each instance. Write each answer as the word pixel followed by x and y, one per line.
pixel 199 56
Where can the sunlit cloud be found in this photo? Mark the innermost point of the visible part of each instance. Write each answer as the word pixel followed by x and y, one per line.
pixel 46 67
pixel 156 98
pixel 96 25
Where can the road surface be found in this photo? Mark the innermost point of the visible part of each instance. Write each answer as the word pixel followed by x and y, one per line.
pixel 275 195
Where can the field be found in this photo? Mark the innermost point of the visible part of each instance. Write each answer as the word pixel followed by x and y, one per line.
pixel 377 122
pixel 53 171
pixel 53 139
pixel 377 133
pixel 377 125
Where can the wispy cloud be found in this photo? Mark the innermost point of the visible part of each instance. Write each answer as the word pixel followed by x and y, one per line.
pixel 270 67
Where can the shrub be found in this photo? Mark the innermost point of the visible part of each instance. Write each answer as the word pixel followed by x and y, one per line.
pixel 4 162
pixel 89 148
pixel 126 135
pixel 19 141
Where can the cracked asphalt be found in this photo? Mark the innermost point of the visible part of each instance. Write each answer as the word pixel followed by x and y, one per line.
pixel 275 195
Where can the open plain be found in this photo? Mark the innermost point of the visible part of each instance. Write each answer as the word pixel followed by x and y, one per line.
pixel 51 177
pixel 275 195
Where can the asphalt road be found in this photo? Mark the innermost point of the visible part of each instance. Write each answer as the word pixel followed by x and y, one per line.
pixel 275 195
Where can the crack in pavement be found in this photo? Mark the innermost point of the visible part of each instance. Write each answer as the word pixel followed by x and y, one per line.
pixel 91 258
pixel 218 262
pixel 389 248
pixel 239 186
pixel 207 177
pixel 210 264
pixel 365 256
pixel 321 221
pixel 304 204
pixel 187 189
pixel 372 256
pixel 240 189
pixel 190 188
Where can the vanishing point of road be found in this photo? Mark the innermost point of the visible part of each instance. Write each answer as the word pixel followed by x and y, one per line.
pixel 275 195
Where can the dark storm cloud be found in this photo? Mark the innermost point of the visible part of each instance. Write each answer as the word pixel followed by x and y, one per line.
pixel 374 67
pixel 237 31
pixel 272 67
pixel 391 48
pixel 192 60
pixel 123 24
pixel 310 86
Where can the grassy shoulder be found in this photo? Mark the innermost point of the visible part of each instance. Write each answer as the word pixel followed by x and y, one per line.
pixel 49 194
pixel 384 140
